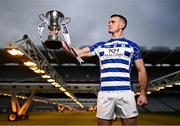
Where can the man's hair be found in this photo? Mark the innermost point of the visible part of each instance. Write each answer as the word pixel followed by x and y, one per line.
pixel 121 17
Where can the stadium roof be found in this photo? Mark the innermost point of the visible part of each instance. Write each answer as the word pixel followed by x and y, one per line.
pixel 153 56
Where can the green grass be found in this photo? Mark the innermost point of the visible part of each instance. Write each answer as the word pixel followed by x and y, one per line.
pixel 88 118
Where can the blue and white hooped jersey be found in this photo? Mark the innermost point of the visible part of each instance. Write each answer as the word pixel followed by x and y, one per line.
pixel 116 57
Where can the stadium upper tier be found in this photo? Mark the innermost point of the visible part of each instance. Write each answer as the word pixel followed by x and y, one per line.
pixel 159 61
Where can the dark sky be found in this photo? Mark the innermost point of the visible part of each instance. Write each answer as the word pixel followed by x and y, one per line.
pixel 150 22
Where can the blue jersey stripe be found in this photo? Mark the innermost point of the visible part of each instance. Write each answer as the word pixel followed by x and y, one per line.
pixel 115 61
pixel 117 45
pixel 114 70
pixel 103 79
pixel 115 88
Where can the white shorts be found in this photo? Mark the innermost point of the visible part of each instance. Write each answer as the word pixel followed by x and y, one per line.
pixel 119 103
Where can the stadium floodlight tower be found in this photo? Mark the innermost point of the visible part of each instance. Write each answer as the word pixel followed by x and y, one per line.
pixel 27 53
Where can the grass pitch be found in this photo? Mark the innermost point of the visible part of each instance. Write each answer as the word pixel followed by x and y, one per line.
pixel 88 118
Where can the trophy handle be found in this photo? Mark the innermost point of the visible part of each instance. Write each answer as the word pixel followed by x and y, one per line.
pixel 42 16
pixel 65 20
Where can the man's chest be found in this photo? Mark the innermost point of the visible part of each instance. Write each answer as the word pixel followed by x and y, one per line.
pixel 116 51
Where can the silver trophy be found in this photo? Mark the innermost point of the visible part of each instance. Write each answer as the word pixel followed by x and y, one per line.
pixel 54 19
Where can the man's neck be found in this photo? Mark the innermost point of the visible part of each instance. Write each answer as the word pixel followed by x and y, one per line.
pixel 117 35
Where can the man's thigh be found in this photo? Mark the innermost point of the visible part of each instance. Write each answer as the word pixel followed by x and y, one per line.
pixel 126 105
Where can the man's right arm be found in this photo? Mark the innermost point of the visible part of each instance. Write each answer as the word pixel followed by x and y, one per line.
pixel 84 52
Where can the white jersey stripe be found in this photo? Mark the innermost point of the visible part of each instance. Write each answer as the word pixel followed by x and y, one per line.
pixel 115 65
pixel 115 74
pixel 115 83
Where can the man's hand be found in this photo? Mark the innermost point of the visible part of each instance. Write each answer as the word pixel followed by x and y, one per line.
pixel 142 100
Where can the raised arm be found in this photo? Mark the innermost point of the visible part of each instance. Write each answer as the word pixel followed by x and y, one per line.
pixel 84 52
pixel 143 80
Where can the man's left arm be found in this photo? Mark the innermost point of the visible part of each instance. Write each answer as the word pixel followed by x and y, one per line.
pixel 143 80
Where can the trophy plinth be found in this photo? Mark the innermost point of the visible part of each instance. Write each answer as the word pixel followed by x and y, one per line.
pixel 53 43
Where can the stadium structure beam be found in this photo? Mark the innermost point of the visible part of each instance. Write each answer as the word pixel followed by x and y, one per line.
pixel 165 81
pixel 26 52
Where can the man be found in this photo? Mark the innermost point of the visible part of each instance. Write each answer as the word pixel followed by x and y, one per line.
pixel 116 57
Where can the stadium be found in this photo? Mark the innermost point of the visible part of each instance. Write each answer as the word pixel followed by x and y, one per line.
pixel 68 92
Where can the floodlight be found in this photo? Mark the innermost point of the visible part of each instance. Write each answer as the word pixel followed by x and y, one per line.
pixel 15 52
pixel 62 89
pixel 46 76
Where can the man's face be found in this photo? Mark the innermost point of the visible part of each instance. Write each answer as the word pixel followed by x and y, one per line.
pixel 115 24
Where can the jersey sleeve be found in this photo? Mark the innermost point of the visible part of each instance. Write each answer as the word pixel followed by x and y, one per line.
pixel 94 48
pixel 137 52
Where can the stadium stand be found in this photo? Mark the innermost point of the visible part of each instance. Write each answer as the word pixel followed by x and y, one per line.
pixel 172 102
pixel 83 80
pixel 155 105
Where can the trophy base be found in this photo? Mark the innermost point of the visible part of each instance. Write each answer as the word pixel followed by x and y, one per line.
pixel 53 44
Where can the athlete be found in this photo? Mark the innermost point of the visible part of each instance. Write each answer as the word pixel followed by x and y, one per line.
pixel 116 56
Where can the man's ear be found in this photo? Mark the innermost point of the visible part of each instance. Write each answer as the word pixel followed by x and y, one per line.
pixel 122 25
